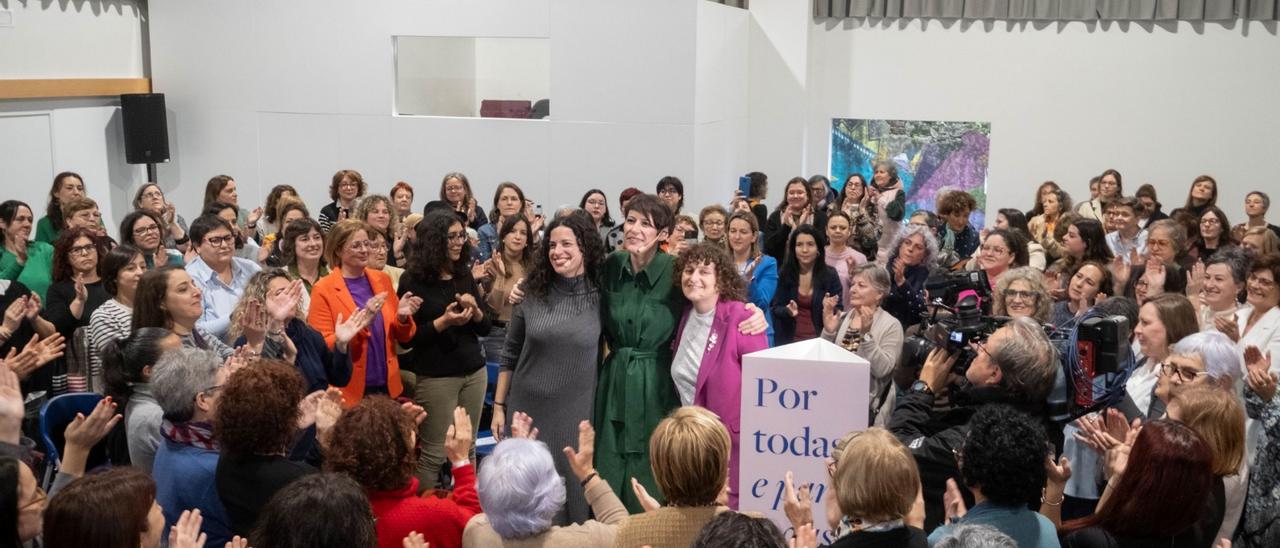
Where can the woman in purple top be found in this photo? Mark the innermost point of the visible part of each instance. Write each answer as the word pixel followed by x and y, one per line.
pixel 708 348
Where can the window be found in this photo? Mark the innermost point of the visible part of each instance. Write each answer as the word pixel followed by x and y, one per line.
pixel 473 76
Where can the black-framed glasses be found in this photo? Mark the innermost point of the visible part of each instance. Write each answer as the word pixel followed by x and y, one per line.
pixel 219 241
pixel 144 230
pixel 82 249
pixel 1014 294
pixel 1184 374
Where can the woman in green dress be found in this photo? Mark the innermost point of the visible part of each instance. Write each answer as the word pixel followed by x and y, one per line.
pixel 29 262
pixel 641 309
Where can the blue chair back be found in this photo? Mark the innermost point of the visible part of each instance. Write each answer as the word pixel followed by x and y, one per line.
pixel 57 413
pixel 484 438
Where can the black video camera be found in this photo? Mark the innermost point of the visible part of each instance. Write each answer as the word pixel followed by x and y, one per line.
pixel 968 321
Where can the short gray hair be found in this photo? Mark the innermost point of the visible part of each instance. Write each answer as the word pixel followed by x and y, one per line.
pixel 1027 360
pixel 519 488
pixel 1235 260
pixel 972 535
pixel 1221 358
pixel 908 230
pixel 180 375
pixel 875 275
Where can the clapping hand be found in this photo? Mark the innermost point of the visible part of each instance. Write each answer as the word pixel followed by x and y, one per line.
pixel 33 307
pixel 83 433
pixel 12 408
pixel 14 315
pixel 459 438
pixel 793 309
pixel 455 314
pixel 516 296
pixel 35 354
pixel 1156 275
pixel 415 540
pixel 1195 278
pixel 409 305
pixel 1118 456
pixel 253 321
pixel 522 426
pixel 806 537
pixel 865 315
pixel 283 306
pixel 899 271
pixel 647 502
pixel 414 411
pixel 1228 325
pixel 186 533
pixel 1057 472
pixel 345 330
pixel 307 409
pixel 1120 270
pixel 1260 378
pixel 830 313
pixel 479 269
pixel 82 296
pixel 374 305
pixel 328 411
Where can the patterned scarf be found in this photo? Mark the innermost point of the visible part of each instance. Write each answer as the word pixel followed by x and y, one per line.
pixel 195 434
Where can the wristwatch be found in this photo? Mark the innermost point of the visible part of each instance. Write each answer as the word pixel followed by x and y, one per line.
pixel 920 386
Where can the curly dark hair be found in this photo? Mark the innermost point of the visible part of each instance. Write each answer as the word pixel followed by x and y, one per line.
pixel 258 409
pixel 1003 454
pixel 732 529
pixel 372 443
pixel 430 256
pixel 317 510
pixel 62 269
pixel 538 281
pixel 273 201
pixel 728 283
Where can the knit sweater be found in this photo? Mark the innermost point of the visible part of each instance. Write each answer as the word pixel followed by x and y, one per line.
pixel 596 533
pixel 666 527
pixel 441 520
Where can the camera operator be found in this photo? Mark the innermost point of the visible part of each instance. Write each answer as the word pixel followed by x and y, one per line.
pixel 1015 366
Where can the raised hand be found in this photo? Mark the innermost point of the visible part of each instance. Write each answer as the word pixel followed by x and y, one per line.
pixel 522 426
pixel 307 409
pixel 647 502
pixel 1121 270
pixel 238 359
pixel 1156 275
pixel 864 318
pixel 14 315
pixel 186 533
pixel 1195 278
pixel 458 440
pixel 953 502
pixel 238 542
pixel 12 409
pixel 1058 472
pixel 1259 377
pixel 580 461
pixel 414 411
pixel 82 291
pixel 254 216
pixel 254 320
pixel 48 349
pixel 170 211
pixel 797 504
pixel 899 271
pixel 345 330
pixel 83 433
pixel 415 540
pixel 830 315
pixel 479 270
pixel 283 306
pixel 33 307
pixel 328 411
pixel 806 537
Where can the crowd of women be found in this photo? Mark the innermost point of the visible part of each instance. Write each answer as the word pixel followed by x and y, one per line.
pixel 280 380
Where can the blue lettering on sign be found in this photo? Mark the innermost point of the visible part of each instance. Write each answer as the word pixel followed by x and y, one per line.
pixel 803 445
pixel 787 398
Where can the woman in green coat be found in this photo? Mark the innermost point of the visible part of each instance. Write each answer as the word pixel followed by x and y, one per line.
pixel 641 306
pixel 26 261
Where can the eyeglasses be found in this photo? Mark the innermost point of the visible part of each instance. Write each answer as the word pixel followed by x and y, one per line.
pixel 348 184
pixel 980 347
pixel 994 249
pixel 150 194
pixel 712 223
pixel 1014 294
pixel 456 236
pixel 82 249
pixel 1265 283
pixel 454 188
pixel 357 245
pixel 669 191
pixel 1210 221
pixel 378 245
pixel 219 241
pixel 39 498
pixel 1184 374
pixel 1153 242
pixel 211 390
pixel 144 230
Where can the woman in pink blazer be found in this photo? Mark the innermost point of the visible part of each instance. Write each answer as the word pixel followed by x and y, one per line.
pixel 708 348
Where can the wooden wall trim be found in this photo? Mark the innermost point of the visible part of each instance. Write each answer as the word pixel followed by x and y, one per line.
pixel 72 87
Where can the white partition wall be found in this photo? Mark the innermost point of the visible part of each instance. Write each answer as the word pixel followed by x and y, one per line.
pixel 291 91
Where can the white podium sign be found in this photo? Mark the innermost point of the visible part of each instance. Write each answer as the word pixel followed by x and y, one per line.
pixel 798 400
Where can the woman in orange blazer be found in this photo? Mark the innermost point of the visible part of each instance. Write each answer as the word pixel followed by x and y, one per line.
pixel 351 288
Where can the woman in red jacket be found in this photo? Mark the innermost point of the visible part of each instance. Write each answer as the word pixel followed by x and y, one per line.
pixel 374 444
pixel 352 288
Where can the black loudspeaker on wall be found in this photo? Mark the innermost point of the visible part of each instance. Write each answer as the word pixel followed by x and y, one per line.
pixel 146 137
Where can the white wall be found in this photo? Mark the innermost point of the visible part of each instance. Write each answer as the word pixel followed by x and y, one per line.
pixel 39 138
pixel 66 39
pixel 291 91
pixel 720 105
pixel 1162 104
